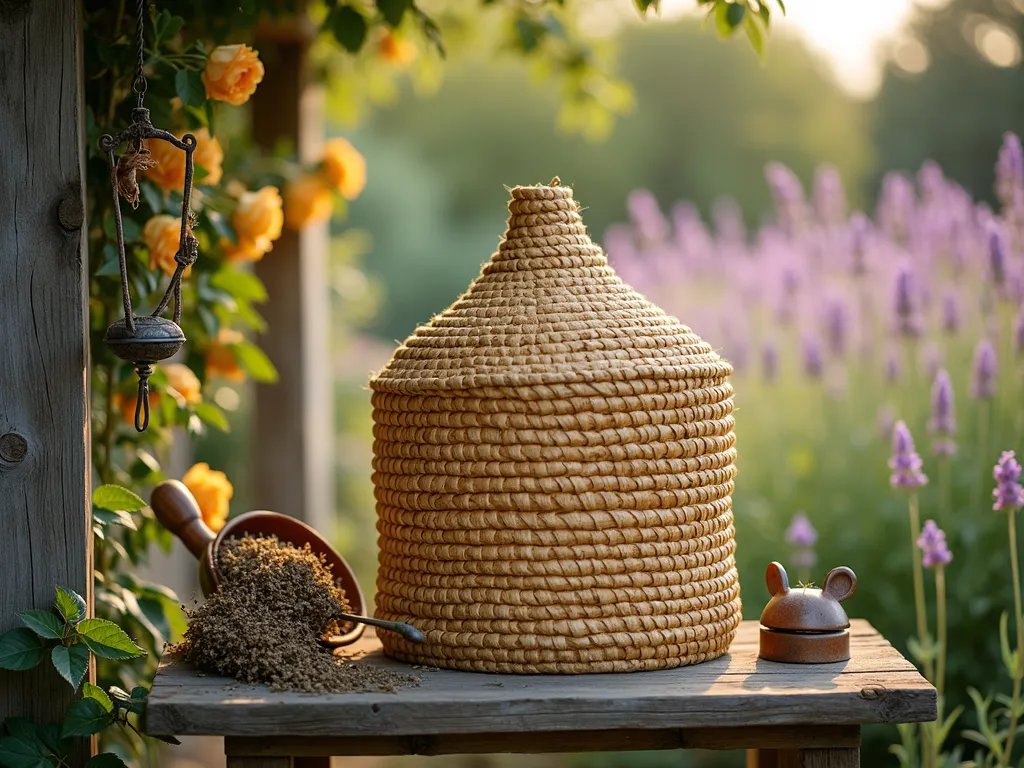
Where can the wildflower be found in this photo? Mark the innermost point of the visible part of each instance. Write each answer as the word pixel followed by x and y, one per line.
pixel 829 196
pixel 814 364
pixel 770 360
pixel 1008 492
pixel 836 326
pixel 800 532
pixel 860 231
pixel 344 167
pixel 788 194
pixel 932 543
pixel 212 491
pixel 983 373
pixel 905 462
pixel 942 424
pixel 893 367
pixel 232 73
pixel 895 205
pixel 905 295
pixel 950 312
pixel 647 218
pixel 1009 169
pixel 996 254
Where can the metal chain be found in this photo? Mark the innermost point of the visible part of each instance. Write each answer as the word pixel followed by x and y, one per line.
pixel 139 83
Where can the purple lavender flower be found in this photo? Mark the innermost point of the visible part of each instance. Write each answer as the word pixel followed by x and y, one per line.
pixel 905 300
pixel 996 254
pixel 800 532
pixel 860 232
pixel 788 193
pixel 1008 492
pixel 950 312
pixel 1009 169
pixel 942 424
pixel 814 363
pixel 905 462
pixel 1018 332
pixel 829 195
pixel 770 360
pixel 983 374
pixel 893 367
pixel 931 182
pixel 836 326
pixel 932 543
pixel 728 220
pixel 650 223
pixel 895 205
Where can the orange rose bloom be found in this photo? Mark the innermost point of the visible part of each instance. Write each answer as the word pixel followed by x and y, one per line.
pixel 125 403
pixel 242 251
pixel 232 73
pixel 212 491
pixel 259 217
pixel 182 380
pixel 220 358
pixel 307 200
pixel 161 235
pixel 396 50
pixel 169 171
pixel 345 168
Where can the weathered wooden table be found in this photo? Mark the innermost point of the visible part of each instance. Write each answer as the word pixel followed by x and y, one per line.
pixel 784 714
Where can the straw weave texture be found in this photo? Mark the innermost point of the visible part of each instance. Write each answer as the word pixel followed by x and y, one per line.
pixel 553 469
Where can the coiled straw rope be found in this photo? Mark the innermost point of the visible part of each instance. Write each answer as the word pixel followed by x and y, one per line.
pixel 553 464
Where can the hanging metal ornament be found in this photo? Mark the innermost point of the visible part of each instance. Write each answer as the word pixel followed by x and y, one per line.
pixel 145 340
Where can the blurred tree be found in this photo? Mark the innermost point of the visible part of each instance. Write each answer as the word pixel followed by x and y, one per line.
pixel 707 118
pixel 951 89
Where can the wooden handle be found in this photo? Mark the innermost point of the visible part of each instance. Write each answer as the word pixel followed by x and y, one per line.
pixel 176 509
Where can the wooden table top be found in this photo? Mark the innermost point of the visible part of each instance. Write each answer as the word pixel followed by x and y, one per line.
pixel 877 685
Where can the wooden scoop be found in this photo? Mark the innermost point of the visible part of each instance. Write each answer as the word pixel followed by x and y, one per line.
pixel 177 510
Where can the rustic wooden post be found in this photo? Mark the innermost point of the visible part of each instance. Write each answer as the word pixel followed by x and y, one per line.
pixel 293 431
pixel 44 414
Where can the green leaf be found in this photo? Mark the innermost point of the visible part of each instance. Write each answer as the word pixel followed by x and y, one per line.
pixel 431 30
pixel 349 27
pixel 212 415
pixel 21 649
pixel 107 640
pixel 393 11
pixel 721 14
pixel 91 691
pixel 111 264
pixel 84 718
pixel 645 5
pixel 115 497
pixel 120 517
pixel 782 6
pixel 152 195
pixel 734 14
pixel 190 88
pixel 255 362
pixel 25 751
pixel 105 760
pixel 239 283
pixel 71 663
pixel 755 34
pixel 70 605
pixel 222 227
pixel 1009 658
pixel 44 623
pixel 529 34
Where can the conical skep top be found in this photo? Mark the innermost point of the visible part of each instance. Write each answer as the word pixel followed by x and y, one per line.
pixel 553 468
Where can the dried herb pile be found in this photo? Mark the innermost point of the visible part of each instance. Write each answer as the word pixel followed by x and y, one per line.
pixel 264 623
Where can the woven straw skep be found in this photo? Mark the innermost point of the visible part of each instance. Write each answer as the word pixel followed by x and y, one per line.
pixel 553 467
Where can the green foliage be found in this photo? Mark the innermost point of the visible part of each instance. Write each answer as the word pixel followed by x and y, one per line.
pixel 115 498
pixel 21 649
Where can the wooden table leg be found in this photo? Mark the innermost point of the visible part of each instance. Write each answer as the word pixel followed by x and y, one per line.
pixel 762 758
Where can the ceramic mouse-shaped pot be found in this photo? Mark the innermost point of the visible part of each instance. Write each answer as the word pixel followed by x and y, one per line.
pixel 806 625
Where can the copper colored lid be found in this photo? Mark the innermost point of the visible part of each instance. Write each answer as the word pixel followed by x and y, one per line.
pixel 806 609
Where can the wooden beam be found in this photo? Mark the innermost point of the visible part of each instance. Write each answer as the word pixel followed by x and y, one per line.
pixel 44 413
pixel 293 431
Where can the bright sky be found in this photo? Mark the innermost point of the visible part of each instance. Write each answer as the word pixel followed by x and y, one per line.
pixel 849 33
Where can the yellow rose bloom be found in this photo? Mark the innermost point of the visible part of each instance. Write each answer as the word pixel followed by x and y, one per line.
pixel 232 73
pixel 161 235
pixel 396 50
pixel 169 171
pixel 212 491
pixel 345 168
pixel 220 358
pixel 259 217
pixel 125 403
pixel 182 380
pixel 242 251
pixel 209 155
pixel 307 200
